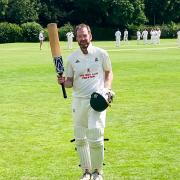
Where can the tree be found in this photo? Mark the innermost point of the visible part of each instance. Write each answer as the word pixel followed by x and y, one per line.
pixel 162 11
pixel 172 12
pixel 120 12
pixel 87 11
pixel 108 12
pixel 3 8
pixel 138 14
pixel 56 11
pixel 21 11
pixel 124 12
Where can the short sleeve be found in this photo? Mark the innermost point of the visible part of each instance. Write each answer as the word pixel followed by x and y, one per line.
pixel 106 62
pixel 69 69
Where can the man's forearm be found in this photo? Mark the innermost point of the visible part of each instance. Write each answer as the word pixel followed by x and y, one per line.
pixel 108 79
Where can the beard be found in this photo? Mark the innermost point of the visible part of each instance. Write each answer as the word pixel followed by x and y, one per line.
pixel 83 45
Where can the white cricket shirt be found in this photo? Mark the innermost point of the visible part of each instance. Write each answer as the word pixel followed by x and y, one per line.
pixel 118 34
pixel 178 34
pixel 87 70
pixel 145 33
pixel 41 36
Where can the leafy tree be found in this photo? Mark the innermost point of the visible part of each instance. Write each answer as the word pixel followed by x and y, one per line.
pixel 138 14
pixel 162 11
pixel 172 12
pixel 49 12
pixel 3 8
pixel 120 13
pixel 56 11
pixel 96 13
pixel 21 11
pixel 87 11
pixel 108 12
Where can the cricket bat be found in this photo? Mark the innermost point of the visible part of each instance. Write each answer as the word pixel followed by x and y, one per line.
pixel 56 52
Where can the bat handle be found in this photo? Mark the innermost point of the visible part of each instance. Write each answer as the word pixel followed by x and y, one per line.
pixel 64 91
pixel 63 88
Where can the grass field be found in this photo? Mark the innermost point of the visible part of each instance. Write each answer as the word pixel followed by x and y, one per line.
pixel 143 124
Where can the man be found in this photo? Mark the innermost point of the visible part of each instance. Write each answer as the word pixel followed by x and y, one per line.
pixel 118 37
pixel 178 37
pixel 154 36
pixel 88 70
pixel 41 38
pixel 152 33
pixel 138 33
pixel 70 37
pixel 145 36
pixel 158 35
pixel 126 36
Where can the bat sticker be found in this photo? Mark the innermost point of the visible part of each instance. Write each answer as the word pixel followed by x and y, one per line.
pixel 58 62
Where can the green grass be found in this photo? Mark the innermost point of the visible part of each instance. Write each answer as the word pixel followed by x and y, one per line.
pixel 143 124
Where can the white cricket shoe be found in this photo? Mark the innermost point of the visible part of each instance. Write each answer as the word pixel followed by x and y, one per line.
pixel 96 176
pixel 86 176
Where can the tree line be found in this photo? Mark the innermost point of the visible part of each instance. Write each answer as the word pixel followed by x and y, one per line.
pixel 97 13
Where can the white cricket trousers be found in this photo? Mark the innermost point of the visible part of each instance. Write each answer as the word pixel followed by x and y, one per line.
pixel 89 134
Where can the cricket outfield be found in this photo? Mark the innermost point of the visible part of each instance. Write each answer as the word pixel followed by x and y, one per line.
pixel 143 124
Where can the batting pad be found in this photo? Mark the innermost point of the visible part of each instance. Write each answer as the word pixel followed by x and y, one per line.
pixel 96 144
pixel 82 147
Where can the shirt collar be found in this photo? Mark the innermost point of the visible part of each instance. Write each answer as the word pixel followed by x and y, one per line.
pixel 90 48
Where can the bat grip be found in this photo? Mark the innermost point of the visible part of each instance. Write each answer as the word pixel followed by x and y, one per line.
pixel 64 91
pixel 63 88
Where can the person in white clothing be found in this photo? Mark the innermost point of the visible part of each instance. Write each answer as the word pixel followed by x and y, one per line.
pixel 70 37
pixel 145 36
pixel 158 35
pixel 88 70
pixel 118 38
pixel 41 38
pixel 178 37
pixel 153 34
pixel 138 33
pixel 126 36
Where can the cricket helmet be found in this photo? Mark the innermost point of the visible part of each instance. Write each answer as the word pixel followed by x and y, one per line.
pixel 101 99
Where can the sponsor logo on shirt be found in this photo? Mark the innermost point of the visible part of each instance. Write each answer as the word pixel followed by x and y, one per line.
pixel 88 75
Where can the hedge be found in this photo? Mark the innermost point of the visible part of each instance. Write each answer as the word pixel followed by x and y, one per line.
pixel 29 32
pixel 63 31
pixel 10 33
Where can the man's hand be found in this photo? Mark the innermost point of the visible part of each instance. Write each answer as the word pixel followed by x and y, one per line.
pixel 68 82
pixel 110 95
pixel 61 79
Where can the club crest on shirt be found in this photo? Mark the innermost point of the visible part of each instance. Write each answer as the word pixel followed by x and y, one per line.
pixel 77 61
pixel 88 70
pixel 96 59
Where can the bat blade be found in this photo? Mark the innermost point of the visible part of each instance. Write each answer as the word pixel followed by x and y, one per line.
pixel 56 53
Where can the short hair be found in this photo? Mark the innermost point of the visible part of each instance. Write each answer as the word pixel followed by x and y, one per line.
pixel 80 26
